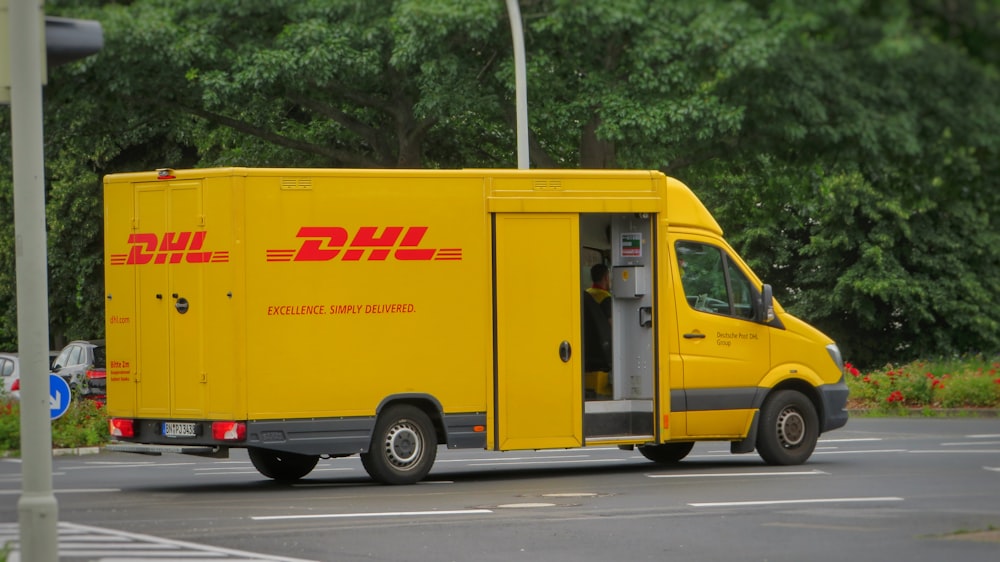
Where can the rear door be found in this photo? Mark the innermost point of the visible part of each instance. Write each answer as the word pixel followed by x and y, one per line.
pixel 168 248
pixel 538 377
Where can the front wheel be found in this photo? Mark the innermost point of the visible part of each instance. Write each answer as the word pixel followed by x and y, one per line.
pixel 667 453
pixel 789 428
pixel 286 467
pixel 403 446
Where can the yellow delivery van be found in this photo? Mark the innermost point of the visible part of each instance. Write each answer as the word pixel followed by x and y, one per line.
pixel 310 313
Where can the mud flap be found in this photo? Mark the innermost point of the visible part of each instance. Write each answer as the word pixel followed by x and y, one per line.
pixel 748 444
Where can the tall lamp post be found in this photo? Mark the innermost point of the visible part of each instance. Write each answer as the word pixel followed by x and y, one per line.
pixel 520 83
pixel 67 40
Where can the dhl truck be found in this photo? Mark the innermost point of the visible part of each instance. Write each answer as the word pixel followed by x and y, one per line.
pixel 309 313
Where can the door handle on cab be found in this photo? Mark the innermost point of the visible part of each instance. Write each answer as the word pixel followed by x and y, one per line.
pixel 694 336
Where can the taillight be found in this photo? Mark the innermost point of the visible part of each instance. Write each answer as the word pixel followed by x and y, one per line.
pixel 119 427
pixel 95 374
pixel 16 385
pixel 229 431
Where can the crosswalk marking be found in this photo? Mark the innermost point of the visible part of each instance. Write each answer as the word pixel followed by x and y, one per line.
pixel 82 542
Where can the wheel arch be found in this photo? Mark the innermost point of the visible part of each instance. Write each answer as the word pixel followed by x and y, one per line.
pixel 806 389
pixel 427 403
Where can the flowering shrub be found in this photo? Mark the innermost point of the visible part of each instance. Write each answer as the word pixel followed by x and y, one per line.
pixel 970 382
pixel 85 424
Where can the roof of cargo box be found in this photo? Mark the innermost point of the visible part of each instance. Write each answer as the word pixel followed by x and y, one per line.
pixel 511 190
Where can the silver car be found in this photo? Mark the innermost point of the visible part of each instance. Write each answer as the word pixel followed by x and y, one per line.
pixel 9 373
pixel 82 364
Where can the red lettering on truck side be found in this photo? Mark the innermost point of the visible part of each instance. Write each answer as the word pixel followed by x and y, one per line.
pixel 326 243
pixel 171 247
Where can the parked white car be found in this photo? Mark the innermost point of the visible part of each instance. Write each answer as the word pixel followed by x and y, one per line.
pixel 9 372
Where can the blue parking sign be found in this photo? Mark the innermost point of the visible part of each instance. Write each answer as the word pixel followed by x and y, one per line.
pixel 59 396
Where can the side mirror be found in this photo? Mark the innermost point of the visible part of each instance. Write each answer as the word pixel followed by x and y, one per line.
pixel 766 314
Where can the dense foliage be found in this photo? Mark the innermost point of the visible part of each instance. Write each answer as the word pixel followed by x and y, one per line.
pixel 850 149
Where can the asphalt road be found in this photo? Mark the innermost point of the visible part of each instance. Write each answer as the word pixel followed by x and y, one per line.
pixel 880 489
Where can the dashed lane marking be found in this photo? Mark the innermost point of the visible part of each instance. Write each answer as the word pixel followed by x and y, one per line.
pixel 738 474
pixel 790 502
pixel 66 491
pixel 371 514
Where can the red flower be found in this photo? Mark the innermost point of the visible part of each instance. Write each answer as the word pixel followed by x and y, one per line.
pixel 896 396
pixel 937 383
pixel 851 369
pixel 867 379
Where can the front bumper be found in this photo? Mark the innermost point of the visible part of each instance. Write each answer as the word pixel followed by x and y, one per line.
pixel 834 400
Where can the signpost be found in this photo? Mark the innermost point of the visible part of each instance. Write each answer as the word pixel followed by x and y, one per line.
pixel 59 396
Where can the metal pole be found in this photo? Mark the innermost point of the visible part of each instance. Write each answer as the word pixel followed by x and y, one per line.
pixel 520 83
pixel 37 508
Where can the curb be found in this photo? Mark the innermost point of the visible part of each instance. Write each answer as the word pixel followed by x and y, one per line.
pixel 73 451
pixel 928 412
pixel 76 451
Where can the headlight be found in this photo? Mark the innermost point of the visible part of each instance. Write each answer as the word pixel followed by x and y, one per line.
pixel 834 352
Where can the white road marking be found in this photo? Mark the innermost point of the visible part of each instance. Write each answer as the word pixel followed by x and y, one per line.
pixel 958 451
pixel 852 440
pixel 371 514
pixel 992 468
pixel 78 542
pixel 860 452
pixel 738 474
pixel 984 436
pixel 104 466
pixel 788 502
pixel 966 443
pixel 516 459
pixel 67 491
pixel 522 463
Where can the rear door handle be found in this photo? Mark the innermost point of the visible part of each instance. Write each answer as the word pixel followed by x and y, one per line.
pixel 694 336
pixel 565 351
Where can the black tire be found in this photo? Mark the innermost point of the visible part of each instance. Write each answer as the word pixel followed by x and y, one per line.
pixel 285 467
pixel 789 428
pixel 403 447
pixel 667 453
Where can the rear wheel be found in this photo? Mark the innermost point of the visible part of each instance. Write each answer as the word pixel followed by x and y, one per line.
pixel 789 428
pixel 403 446
pixel 282 466
pixel 667 453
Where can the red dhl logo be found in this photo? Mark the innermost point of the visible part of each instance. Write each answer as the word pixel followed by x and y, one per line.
pixel 325 243
pixel 173 247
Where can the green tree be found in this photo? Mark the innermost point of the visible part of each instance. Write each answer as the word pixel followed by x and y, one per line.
pixel 863 181
pixel 850 149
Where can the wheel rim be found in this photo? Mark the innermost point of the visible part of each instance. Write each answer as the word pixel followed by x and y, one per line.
pixel 791 428
pixel 403 445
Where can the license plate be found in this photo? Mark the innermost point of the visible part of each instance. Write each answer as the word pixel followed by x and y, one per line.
pixel 179 429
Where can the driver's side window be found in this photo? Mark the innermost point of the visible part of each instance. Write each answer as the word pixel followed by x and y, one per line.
pixel 711 281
